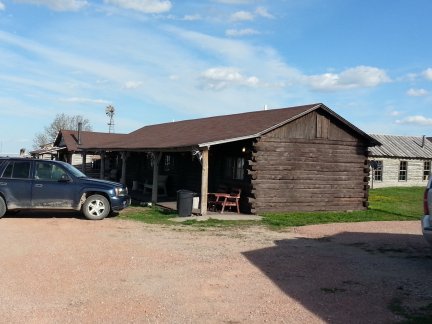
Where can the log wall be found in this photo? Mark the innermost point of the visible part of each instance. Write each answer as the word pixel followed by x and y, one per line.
pixel 311 164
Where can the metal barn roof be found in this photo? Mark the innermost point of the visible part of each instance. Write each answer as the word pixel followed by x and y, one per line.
pixel 401 147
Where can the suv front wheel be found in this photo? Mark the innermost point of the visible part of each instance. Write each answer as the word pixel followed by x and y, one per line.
pixel 96 207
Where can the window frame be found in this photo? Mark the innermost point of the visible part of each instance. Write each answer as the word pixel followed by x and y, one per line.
pixel 12 172
pixel 234 168
pixel 377 172
pixel 403 171
pixel 426 169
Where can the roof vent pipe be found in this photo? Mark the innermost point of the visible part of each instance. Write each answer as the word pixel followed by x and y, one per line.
pixel 423 140
pixel 79 132
pixel 265 107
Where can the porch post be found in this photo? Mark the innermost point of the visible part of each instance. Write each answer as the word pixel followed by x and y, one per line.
pixel 124 156
pixel 156 158
pixel 204 181
pixel 84 160
pixel 102 165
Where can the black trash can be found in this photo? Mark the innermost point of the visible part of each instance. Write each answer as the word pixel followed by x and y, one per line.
pixel 184 202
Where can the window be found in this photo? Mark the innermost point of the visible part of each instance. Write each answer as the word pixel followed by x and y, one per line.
pixel 377 170
pixel 168 162
pixel 17 169
pixel 48 171
pixel 234 168
pixel 426 169
pixel 403 171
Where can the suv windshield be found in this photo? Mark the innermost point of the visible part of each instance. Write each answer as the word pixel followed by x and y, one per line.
pixel 75 172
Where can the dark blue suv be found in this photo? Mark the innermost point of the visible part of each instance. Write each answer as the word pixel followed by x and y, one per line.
pixel 45 184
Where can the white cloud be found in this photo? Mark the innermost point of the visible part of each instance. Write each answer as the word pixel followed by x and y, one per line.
pixel 428 73
pixel 2 6
pixel 395 113
pixel 263 12
pixel 242 16
pixel 222 77
pixel 192 17
pixel 78 100
pixel 356 77
pixel 132 84
pixel 416 92
pixel 416 120
pixel 235 1
pixel 58 5
pixel 241 32
pixel 146 6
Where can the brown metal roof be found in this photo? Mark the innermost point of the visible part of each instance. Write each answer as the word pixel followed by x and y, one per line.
pixel 209 131
pixel 91 139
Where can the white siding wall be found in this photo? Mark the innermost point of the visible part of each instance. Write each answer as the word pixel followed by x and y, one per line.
pixel 77 159
pixel 390 173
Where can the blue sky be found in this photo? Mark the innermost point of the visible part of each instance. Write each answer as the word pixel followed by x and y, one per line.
pixel 157 61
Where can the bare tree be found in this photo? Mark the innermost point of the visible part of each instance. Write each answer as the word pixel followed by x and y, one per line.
pixel 61 121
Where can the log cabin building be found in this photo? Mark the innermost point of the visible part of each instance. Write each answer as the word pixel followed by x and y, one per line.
pixel 304 158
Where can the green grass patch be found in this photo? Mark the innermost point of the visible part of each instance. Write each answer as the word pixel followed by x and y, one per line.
pixel 385 204
pixel 150 215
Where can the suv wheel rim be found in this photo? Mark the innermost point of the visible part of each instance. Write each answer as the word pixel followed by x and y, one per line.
pixel 96 207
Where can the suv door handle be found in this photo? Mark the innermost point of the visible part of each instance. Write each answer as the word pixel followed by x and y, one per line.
pixel 38 185
pixel 3 183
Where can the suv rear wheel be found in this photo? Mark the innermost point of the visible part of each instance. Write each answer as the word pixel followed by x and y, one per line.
pixel 96 207
pixel 2 207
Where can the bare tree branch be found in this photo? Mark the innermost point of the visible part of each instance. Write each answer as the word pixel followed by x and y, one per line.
pixel 61 121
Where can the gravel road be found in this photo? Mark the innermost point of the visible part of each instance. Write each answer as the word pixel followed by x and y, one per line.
pixel 70 270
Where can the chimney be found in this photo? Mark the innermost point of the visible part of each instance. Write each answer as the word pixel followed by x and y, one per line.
pixel 79 132
pixel 423 140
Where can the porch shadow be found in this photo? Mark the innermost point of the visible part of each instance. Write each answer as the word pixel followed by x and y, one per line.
pixel 352 277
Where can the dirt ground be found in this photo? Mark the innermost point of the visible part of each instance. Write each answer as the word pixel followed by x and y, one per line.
pixel 70 270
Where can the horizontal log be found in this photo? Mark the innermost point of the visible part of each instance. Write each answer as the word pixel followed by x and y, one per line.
pixel 319 177
pixel 279 157
pixel 326 176
pixel 310 167
pixel 307 208
pixel 307 147
pixel 312 198
pixel 304 189
pixel 310 152
pixel 308 141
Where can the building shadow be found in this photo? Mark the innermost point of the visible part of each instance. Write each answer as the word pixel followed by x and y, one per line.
pixel 353 277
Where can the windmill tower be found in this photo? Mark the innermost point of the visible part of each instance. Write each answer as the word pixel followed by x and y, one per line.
pixel 109 111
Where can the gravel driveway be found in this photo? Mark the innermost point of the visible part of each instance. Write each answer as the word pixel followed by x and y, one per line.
pixel 71 270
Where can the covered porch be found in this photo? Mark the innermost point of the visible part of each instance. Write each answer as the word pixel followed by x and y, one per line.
pixel 156 176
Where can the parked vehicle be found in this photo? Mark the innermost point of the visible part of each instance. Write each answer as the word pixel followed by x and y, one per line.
pixel 44 184
pixel 427 206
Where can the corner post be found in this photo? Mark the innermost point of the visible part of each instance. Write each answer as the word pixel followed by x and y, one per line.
pixel 204 180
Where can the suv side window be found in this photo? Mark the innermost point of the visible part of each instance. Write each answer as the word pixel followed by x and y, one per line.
pixel 48 171
pixel 17 170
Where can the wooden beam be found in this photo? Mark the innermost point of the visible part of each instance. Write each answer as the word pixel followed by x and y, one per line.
pixel 102 165
pixel 124 156
pixel 156 157
pixel 84 160
pixel 204 180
